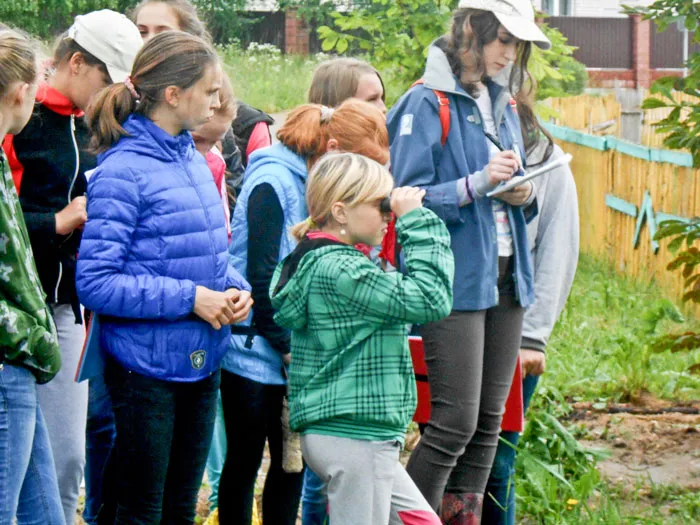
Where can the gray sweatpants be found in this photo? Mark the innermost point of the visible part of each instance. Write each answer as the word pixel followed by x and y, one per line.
pixel 64 404
pixel 365 483
pixel 470 358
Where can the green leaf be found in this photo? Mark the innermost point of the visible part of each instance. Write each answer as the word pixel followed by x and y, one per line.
pixel 342 45
pixel 329 43
pixel 675 244
pixel 653 103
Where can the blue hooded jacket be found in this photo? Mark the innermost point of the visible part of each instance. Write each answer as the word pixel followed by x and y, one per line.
pixel 419 159
pixel 286 172
pixel 156 229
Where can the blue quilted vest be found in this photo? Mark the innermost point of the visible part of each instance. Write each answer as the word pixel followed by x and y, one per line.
pixel 286 172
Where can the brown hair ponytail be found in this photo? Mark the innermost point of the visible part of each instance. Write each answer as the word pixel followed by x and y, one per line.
pixel 172 58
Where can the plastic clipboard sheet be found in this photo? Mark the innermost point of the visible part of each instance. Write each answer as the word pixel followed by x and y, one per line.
pixel 517 181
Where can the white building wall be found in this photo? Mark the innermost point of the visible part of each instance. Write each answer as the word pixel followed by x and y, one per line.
pixel 587 8
pixel 596 8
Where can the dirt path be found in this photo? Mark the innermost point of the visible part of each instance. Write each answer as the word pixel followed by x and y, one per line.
pixel 659 448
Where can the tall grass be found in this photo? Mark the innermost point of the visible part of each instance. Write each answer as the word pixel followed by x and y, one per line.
pixel 265 78
pixel 601 345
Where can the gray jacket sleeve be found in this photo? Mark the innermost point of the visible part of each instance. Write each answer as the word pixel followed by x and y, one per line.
pixel 554 241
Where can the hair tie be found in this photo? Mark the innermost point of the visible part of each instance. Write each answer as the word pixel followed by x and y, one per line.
pixel 311 224
pixel 326 114
pixel 130 86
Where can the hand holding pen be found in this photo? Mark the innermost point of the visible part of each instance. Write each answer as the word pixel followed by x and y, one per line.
pixel 503 165
pixel 501 168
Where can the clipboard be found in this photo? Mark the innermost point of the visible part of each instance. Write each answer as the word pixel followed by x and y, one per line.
pixel 517 181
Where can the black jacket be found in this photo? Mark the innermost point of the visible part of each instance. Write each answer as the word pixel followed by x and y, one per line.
pixel 49 160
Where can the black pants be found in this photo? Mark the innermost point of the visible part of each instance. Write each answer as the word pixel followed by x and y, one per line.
pixel 164 431
pixel 252 414
pixel 470 358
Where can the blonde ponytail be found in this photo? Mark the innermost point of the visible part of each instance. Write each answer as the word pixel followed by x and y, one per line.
pixel 341 177
pixel 301 229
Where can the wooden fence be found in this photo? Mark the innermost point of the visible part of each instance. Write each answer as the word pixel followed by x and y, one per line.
pixel 624 191
pixel 602 114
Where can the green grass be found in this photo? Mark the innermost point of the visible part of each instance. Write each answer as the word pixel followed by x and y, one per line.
pixel 266 79
pixel 599 351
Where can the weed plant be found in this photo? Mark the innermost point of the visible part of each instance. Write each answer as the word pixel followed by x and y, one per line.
pixel 601 349
pixel 600 352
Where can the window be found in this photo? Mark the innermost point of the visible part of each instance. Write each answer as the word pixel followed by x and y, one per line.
pixel 558 7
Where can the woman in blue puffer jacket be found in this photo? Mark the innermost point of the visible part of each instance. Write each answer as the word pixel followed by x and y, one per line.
pixel 154 266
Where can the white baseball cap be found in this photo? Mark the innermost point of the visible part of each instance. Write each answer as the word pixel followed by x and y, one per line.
pixel 110 37
pixel 517 16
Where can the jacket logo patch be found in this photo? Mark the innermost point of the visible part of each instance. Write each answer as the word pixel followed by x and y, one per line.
pixel 198 358
pixel 406 124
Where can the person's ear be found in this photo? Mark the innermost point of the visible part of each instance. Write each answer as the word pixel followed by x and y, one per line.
pixel 76 61
pixel 19 93
pixel 331 145
pixel 172 96
pixel 339 213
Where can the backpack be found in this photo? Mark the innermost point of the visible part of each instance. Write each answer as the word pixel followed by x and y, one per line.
pixel 444 111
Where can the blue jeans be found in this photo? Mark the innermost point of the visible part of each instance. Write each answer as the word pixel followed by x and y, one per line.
pixel 28 484
pixel 101 432
pixel 314 503
pixel 501 484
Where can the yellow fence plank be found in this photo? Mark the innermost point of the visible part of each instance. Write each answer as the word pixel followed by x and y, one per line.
pixel 585 112
pixel 609 233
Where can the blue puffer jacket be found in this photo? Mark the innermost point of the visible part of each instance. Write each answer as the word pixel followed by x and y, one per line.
pixel 286 172
pixel 156 230
pixel 419 159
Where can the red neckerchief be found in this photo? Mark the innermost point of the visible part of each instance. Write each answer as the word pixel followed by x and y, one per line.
pixel 389 251
pixel 56 101
pixel 364 248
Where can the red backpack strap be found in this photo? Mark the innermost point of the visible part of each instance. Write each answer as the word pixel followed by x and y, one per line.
pixel 444 111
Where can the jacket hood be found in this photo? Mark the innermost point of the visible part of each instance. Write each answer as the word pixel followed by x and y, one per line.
pixel 148 139
pixel 278 154
pixel 289 289
pixel 56 101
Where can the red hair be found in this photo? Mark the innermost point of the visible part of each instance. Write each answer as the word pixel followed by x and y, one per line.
pixel 358 126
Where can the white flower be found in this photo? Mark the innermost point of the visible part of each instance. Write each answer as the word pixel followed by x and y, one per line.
pixel 8 319
pixel 5 271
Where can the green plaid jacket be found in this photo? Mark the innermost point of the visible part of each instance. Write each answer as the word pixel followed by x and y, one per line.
pixel 27 331
pixel 351 373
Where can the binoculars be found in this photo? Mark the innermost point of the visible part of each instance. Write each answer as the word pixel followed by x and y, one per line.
pixel 385 205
